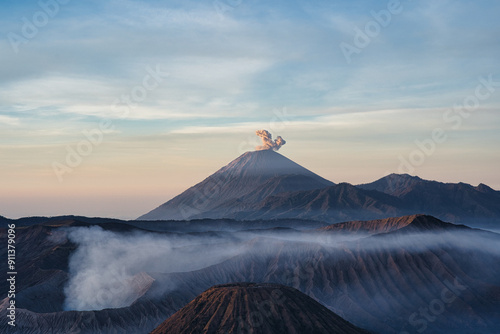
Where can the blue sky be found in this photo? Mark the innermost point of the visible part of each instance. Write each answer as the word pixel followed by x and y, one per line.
pixel 234 67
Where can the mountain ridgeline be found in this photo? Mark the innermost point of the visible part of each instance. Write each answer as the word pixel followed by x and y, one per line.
pixel 266 246
pixel 266 185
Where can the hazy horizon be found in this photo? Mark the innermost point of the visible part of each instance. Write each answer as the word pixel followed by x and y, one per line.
pixel 163 94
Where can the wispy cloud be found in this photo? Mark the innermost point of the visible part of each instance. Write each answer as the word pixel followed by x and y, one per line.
pixel 8 120
pixel 227 74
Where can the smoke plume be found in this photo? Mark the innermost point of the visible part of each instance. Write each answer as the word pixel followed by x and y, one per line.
pixel 267 141
pixel 110 269
pixel 114 269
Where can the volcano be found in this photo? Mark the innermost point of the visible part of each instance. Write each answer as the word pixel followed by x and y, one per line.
pixel 255 308
pixel 375 274
pixel 265 185
pixel 246 180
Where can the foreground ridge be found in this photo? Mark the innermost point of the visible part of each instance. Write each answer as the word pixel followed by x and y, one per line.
pixel 255 308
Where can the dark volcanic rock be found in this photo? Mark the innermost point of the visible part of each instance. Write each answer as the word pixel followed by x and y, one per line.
pixel 255 308
pixel 340 202
pixel 412 222
pixel 455 202
pixel 378 280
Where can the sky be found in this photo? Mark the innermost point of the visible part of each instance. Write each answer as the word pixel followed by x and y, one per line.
pixel 111 108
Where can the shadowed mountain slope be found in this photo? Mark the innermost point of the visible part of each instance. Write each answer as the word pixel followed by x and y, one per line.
pixel 379 282
pixel 340 202
pixel 255 308
pixel 411 222
pixel 267 185
pixel 258 174
pixel 457 202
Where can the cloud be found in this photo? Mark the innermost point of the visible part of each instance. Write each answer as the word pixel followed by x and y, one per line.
pixel 229 73
pixel 8 120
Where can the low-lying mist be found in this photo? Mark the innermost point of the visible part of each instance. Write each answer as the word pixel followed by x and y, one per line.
pixel 104 268
pixel 110 269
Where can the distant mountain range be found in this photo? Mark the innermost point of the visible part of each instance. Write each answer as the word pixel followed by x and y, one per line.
pixel 375 256
pixel 455 202
pixel 267 185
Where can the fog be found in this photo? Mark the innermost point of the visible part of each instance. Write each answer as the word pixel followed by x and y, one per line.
pixel 110 269
pixel 104 266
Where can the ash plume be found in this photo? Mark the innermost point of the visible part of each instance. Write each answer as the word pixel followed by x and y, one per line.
pixel 267 141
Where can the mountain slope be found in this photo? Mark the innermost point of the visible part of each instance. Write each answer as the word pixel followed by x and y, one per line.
pixel 255 308
pixel 266 185
pixel 250 172
pixel 457 202
pixel 379 282
pixel 336 203
pixel 416 222
pixel 376 282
